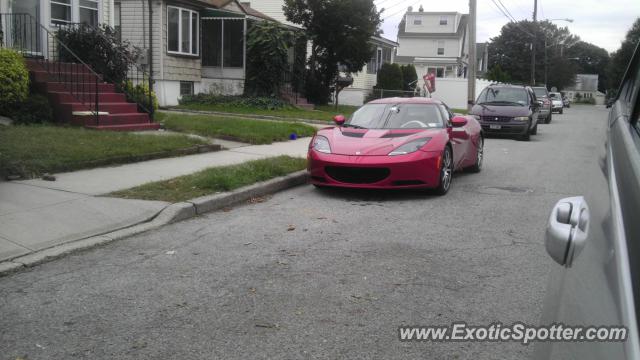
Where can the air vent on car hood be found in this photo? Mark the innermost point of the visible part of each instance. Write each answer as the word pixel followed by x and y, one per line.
pixel 395 135
pixel 353 134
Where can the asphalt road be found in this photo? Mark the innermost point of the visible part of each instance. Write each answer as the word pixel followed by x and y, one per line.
pixel 317 274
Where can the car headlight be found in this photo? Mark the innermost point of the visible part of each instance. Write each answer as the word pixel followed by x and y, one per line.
pixel 521 118
pixel 411 146
pixel 321 144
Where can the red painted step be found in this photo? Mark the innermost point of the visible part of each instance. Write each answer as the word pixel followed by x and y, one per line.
pixel 111 119
pixel 111 108
pixel 77 87
pixel 107 97
pixel 40 65
pixel 64 77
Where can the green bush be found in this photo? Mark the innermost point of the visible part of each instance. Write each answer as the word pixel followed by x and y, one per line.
pixel 100 48
pixel 35 110
pixel 267 103
pixel 390 77
pixel 140 94
pixel 14 81
pixel 409 76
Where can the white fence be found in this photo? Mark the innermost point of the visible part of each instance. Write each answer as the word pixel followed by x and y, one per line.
pixel 452 91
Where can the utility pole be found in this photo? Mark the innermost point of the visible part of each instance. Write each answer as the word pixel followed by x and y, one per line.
pixel 533 43
pixel 471 67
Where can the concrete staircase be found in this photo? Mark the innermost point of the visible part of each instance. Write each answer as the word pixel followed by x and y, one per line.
pixel 294 98
pixel 71 88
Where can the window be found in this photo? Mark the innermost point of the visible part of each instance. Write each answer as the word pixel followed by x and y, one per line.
pixel 186 88
pixel 372 67
pixel 182 29
pixel 438 70
pixel 117 21
pixel 440 47
pixel 233 51
pixel 225 43
pixel 60 11
pixel 417 21
pixel 444 20
pixel 378 59
pixel 88 11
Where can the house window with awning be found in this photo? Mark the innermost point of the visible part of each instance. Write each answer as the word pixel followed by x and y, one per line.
pixel 223 43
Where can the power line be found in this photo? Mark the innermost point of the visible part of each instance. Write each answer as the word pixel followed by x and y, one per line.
pixel 511 20
pixel 401 10
pixel 507 10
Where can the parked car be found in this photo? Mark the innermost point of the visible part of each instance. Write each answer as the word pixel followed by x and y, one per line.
pixel 545 110
pixel 507 109
pixel 396 143
pixel 566 102
pixel 556 102
pixel 594 240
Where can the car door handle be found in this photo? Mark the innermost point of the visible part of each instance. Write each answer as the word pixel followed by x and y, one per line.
pixel 567 230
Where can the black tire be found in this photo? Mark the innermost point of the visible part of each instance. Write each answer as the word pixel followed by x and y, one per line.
pixel 534 131
pixel 548 119
pixel 477 167
pixel 526 136
pixel 561 111
pixel 446 172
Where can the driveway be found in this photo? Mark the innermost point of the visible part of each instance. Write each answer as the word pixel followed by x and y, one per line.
pixel 317 274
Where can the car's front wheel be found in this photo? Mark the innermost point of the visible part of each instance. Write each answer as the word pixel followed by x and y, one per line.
pixel 548 120
pixel 446 171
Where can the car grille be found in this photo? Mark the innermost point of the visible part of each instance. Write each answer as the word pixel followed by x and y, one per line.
pixel 496 118
pixel 357 175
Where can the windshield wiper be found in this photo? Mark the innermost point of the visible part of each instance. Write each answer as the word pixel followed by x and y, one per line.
pixel 502 102
pixel 354 126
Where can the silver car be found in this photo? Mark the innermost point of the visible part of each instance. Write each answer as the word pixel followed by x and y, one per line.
pixel 556 102
pixel 595 240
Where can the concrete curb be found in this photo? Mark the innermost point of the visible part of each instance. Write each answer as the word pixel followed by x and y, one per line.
pixel 171 214
pixel 248 116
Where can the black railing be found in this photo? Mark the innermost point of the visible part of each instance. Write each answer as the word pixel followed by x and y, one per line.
pixel 26 35
pixel 138 86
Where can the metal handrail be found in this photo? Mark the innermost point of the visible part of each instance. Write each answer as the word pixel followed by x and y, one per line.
pixel 25 35
pixel 133 66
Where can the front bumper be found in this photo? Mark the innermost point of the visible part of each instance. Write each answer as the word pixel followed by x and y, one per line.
pixel 420 169
pixel 557 107
pixel 507 128
pixel 544 112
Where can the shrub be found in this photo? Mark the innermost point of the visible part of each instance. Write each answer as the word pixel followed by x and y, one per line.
pixel 99 48
pixel 267 61
pixel 14 81
pixel 34 110
pixel 409 76
pixel 140 94
pixel 268 103
pixel 315 88
pixel 390 77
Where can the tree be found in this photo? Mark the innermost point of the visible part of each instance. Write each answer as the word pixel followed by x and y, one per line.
pixel 390 77
pixel 340 31
pixel 621 58
pixel 496 74
pixel 511 50
pixel 267 48
pixel 590 59
pixel 409 77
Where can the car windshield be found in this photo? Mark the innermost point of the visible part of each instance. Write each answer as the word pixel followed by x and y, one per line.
pixel 397 116
pixel 554 96
pixel 503 96
pixel 540 92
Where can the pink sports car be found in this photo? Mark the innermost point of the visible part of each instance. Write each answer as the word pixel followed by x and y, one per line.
pixel 396 143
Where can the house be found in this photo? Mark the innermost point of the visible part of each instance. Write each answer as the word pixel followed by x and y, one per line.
pixel 434 42
pixel 585 87
pixel 482 58
pixel 363 81
pixel 197 45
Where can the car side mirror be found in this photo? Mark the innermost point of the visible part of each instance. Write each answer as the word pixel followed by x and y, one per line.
pixel 539 103
pixel 339 120
pixel 458 121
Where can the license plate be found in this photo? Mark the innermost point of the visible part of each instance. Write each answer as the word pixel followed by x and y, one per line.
pixel 495 127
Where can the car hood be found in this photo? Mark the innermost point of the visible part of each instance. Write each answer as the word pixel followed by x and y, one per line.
pixel 495 110
pixel 350 141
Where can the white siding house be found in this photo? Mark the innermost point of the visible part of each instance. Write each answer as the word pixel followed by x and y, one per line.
pixel 434 42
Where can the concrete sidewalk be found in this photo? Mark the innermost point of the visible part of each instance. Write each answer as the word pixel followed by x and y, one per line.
pixel 37 214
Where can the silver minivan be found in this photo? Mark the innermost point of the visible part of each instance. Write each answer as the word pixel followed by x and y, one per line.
pixel 595 240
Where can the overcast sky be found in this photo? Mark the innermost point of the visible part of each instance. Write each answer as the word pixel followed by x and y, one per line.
pixel 601 22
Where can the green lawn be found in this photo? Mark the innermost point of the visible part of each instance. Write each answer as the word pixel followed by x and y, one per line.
pixel 216 179
pixel 323 113
pixel 33 150
pixel 243 130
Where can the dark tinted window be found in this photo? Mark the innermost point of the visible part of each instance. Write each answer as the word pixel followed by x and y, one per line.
pixel 541 92
pixel 506 95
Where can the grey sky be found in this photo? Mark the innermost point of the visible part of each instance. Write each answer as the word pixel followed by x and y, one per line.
pixel 603 23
